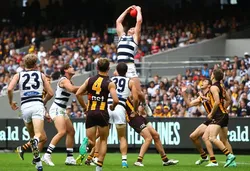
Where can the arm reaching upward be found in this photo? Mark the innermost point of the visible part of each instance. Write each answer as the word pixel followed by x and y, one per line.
pixel 119 26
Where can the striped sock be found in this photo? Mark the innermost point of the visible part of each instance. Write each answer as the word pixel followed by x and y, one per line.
pixel 90 157
pixel 164 158
pixel 225 151
pixel 139 159
pixel 124 158
pixel 50 149
pixel 69 152
pixel 96 154
pixel 204 155
pixel 26 146
pixel 213 160
pixel 99 163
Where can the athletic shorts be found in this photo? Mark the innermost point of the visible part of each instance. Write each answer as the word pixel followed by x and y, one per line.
pixel 131 73
pixel 138 123
pixel 97 118
pixel 207 122
pixel 220 119
pixel 118 116
pixel 34 111
pixel 56 110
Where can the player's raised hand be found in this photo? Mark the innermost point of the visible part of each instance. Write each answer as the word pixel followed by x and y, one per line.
pixel 14 106
pixel 130 8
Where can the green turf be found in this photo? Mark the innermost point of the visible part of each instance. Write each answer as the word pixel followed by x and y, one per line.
pixel 152 162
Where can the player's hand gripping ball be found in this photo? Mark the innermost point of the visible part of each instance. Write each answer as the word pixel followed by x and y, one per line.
pixel 133 13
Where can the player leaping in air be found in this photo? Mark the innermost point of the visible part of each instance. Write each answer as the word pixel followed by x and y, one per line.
pixel 127 49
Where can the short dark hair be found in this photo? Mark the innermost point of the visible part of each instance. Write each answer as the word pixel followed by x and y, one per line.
pixel 64 67
pixel 122 69
pixel 209 81
pixel 103 65
pixel 218 74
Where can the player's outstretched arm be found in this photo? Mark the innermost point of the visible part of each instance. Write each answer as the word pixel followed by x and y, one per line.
pixel 80 92
pixel 194 102
pixel 138 25
pixel 48 89
pixel 10 89
pixel 134 95
pixel 112 91
pixel 69 86
pixel 119 26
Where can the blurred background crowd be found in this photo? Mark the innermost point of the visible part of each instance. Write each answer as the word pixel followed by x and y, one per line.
pixel 81 44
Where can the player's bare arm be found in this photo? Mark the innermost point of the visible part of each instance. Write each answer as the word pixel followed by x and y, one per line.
pixel 69 86
pixel 134 95
pixel 137 34
pixel 112 90
pixel 215 92
pixel 10 89
pixel 48 89
pixel 80 92
pixel 119 26
pixel 194 102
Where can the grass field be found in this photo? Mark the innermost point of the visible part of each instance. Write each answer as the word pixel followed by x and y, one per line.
pixel 152 162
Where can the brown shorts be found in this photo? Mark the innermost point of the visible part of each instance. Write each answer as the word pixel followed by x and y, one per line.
pixel 207 122
pixel 97 118
pixel 138 123
pixel 220 119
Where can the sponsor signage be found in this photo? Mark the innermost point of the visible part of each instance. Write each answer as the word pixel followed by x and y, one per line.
pixel 174 133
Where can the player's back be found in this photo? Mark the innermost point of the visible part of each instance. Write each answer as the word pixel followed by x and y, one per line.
pixel 126 49
pixel 122 90
pixel 31 88
pixel 221 108
pixel 98 93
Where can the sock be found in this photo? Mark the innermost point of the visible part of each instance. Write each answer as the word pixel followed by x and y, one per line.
pixel 99 163
pixel 69 152
pixel 36 139
pixel 35 156
pixel 26 146
pixel 213 160
pixel 225 151
pixel 50 149
pixel 96 154
pixel 139 159
pixel 203 155
pixel 90 157
pixel 124 158
pixel 98 168
pixel 164 158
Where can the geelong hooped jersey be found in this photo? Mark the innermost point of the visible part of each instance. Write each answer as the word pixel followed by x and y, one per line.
pixel 62 95
pixel 122 90
pixel 31 86
pixel 126 49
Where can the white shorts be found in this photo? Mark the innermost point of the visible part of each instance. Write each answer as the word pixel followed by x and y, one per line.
pixel 118 116
pixel 55 111
pixel 131 73
pixel 34 111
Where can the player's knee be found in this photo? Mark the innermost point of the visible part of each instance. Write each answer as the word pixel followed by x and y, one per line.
pixel 156 137
pixel 192 136
pixel 148 139
pixel 212 138
pixel 61 133
pixel 205 138
pixel 71 132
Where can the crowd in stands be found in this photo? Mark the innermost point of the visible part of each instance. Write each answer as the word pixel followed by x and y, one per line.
pixel 81 51
pixel 164 96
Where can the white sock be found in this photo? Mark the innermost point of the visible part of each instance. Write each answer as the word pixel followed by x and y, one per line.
pixel 124 157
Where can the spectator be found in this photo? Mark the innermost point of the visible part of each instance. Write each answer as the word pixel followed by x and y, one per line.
pixel 205 71
pixel 158 112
